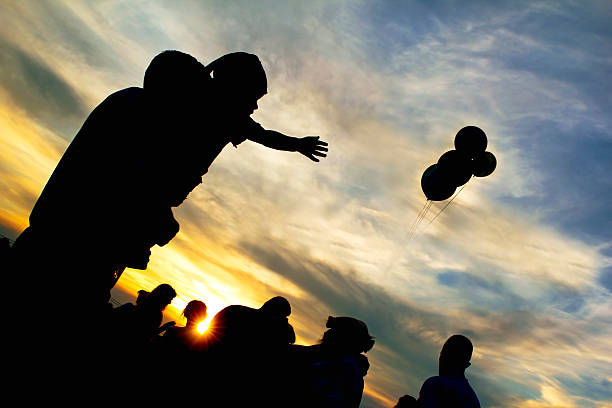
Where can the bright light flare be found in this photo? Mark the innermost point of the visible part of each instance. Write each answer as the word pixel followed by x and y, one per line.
pixel 203 326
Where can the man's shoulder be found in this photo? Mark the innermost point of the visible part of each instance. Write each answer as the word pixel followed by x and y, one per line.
pixel 132 94
pixel 130 91
pixel 125 103
pixel 433 381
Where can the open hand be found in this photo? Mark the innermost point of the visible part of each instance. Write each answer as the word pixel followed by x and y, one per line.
pixel 311 146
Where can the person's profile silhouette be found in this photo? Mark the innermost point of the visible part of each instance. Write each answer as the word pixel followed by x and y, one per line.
pixel 332 372
pixel 450 388
pixel 181 340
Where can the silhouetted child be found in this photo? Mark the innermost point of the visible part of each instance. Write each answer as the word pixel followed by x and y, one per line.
pixel 137 325
pixel 182 340
pixel 451 388
pixel 211 119
pixel 335 368
pixel 178 350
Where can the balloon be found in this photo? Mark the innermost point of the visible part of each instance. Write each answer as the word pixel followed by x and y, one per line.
pixel 456 166
pixel 484 164
pixel 435 185
pixel 471 140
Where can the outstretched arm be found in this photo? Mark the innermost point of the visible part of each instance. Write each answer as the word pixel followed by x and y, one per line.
pixel 309 146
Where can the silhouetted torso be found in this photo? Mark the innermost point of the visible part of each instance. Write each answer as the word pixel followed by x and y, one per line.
pixel 448 391
pixel 338 382
pixel 92 174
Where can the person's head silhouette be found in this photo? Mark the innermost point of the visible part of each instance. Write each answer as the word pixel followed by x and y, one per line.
pixel 455 355
pixel 194 312
pixel 175 80
pixel 278 306
pixel 142 295
pixel 239 80
pixel 347 335
pixel 160 297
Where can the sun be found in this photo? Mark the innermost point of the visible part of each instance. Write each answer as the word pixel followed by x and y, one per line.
pixel 203 326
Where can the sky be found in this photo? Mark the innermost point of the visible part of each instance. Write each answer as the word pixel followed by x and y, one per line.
pixel 520 261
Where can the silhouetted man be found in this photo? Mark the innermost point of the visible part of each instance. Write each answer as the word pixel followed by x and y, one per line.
pixel 139 153
pixel 451 389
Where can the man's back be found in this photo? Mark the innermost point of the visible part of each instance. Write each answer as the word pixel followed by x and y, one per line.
pixel 91 175
pixel 447 392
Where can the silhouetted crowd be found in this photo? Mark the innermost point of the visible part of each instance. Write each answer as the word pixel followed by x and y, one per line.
pixel 247 356
pixel 109 200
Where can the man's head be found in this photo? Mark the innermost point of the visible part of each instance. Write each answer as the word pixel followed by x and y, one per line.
pixel 175 78
pixel 455 355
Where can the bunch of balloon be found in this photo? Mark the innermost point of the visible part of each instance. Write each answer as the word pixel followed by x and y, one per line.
pixel 456 167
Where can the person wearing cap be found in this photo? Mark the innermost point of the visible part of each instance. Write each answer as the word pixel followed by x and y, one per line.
pixel 450 388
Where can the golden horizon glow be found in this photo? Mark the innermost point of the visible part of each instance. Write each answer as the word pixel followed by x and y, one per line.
pixel 506 261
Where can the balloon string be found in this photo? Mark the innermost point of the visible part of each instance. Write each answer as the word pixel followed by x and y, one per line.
pixel 423 216
pixel 419 215
pixel 443 208
pixel 417 221
pixel 407 236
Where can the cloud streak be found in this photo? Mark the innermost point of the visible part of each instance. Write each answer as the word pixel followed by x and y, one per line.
pixel 518 262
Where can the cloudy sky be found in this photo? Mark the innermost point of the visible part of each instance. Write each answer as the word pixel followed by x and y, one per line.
pixel 520 262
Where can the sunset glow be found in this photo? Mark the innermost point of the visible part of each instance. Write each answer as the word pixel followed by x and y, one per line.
pixel 203 326
pixel 520 261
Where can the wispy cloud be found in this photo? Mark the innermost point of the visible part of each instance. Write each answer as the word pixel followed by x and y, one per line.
pixel 518 261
